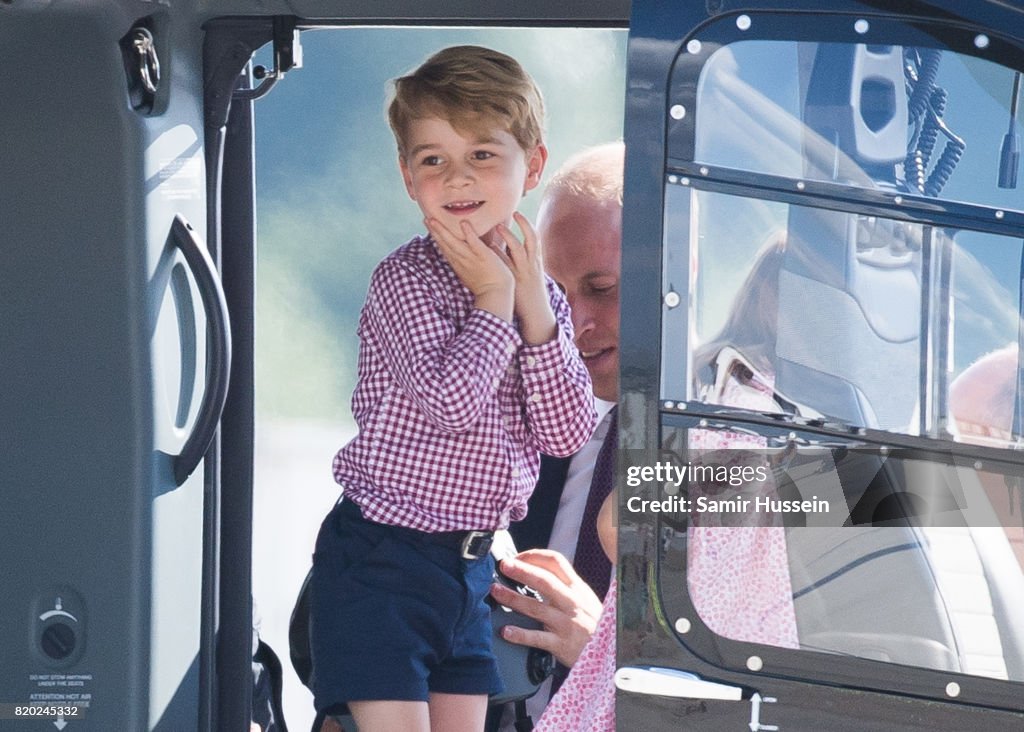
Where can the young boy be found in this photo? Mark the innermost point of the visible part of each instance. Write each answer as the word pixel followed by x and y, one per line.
pixel 467 370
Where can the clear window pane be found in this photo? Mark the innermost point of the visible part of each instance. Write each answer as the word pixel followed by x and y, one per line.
pixel 857 319
pixel 906 119
pixel 896 556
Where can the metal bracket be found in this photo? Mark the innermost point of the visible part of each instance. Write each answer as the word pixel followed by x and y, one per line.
pixel 287 56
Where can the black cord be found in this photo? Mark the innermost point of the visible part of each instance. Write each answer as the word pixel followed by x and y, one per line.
pixel 1013 99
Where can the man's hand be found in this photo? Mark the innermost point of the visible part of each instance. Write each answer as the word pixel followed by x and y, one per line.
pixel 569 612
pixel 478 267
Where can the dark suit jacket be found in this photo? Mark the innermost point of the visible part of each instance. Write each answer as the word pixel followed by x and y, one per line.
pixel 534 531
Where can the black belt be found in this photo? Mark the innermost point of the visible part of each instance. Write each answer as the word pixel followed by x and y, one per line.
pixel 469 544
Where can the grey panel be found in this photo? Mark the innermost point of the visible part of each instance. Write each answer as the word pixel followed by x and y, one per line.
pixel 74 408
pixel 90 187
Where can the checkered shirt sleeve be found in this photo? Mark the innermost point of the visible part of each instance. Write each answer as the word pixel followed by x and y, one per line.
pixel 556 388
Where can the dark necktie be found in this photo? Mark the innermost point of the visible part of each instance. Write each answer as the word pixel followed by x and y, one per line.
pixel 590 561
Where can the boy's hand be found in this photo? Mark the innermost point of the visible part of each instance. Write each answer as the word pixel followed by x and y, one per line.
pixel 478 267
pixel 536 319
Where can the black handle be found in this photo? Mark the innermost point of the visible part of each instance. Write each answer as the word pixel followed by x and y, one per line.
pixel 218 349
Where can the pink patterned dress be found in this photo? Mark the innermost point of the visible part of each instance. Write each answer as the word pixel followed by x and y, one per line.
pixel 738 576
pixel 586 701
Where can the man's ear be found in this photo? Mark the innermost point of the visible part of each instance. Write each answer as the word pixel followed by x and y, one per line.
pixel 535 167
pixel 406 177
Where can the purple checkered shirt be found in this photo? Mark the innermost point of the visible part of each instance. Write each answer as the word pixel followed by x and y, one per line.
pixel 452 406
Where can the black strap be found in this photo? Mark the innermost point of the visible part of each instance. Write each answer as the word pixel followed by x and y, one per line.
pixel 272 664
pixel 523 722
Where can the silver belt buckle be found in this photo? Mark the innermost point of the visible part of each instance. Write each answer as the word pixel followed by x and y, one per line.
pixel 476 544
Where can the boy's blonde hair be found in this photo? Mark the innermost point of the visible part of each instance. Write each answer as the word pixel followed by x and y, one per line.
pixel 473 89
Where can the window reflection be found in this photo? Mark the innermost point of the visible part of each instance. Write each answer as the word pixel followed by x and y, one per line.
pixel 857 319
pixel 910 120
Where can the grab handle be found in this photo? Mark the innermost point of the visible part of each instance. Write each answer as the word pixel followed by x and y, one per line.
pixel 673 682
pixel 218 350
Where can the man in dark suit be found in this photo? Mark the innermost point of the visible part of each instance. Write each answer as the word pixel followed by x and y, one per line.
pixel 580 228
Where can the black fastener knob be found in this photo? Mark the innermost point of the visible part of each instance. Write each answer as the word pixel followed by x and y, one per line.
pixel 58 641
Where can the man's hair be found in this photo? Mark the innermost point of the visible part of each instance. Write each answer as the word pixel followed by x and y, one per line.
pixel 594 174
pixel 472 88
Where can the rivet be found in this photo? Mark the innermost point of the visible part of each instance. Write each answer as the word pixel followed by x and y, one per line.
pixel 754 663
pixel 683 625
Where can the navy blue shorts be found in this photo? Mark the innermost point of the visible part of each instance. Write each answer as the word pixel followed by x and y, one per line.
pixel 395 617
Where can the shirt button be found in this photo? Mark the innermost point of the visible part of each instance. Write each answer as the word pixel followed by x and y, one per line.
pixel 531 361
pixel 535 397
pixel 495 382
pixel 510 347
pixel 515 472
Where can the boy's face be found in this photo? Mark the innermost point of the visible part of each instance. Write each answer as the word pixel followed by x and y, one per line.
pixel 478 178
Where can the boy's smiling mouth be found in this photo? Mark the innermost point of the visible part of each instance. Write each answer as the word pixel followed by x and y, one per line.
pixel 462 207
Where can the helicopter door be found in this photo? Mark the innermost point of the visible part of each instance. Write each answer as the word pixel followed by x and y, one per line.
pixel 833 535
pixel 115 352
